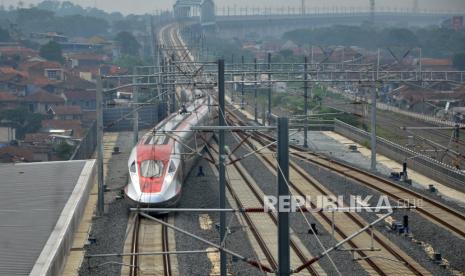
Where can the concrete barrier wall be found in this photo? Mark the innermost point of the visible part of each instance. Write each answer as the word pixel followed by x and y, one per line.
pixel 53 257
pixel 425 165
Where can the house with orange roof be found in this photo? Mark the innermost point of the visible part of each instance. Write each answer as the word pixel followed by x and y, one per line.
pixel 13 81
pixel 8 101
pixel 41 101
pixel 66 112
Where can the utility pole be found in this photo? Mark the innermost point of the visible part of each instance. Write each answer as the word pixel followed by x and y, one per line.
pixel 284 261
pixel 100 180
pixel 306 102
pixel 173 70
pixel 372 11
pixel 373 128
pixel 243 84
pixel 255 91
pixel 233 87
pixel 374 93
pixel 135 101
pixel 269 88
pixel 222 159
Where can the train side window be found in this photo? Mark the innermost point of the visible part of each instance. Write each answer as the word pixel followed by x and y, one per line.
pixel 172 167
pixel 133 167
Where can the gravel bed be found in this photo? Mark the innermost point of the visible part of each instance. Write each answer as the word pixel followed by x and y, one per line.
pixel 459 206
pixel 203 192
pixel 267 182
pixel 422 229
pixel 109 230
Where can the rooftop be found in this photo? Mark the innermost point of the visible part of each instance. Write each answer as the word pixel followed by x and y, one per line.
pixel 44 97
pixel 67 110
pixel 77 95
pixel 34 227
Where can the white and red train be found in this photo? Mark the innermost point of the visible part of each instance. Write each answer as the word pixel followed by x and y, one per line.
pixel 161 161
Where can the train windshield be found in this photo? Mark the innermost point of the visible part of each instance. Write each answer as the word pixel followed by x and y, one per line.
pixel 151 168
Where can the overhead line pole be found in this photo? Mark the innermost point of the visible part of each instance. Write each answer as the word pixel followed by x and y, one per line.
pixel 100 179
pixel 255 91
pixel 269 89
pixel 374 93
pixel 135 109
pixel 222 159
pixel 306 103
pixel 284 261
pixel 243 84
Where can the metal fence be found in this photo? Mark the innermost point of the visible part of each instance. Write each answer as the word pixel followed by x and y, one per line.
pixel 117 119
pixel 121 118
pixel 429 167
pixel 86 147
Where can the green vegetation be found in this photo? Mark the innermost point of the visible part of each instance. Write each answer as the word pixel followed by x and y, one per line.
pixel 64 151
pixel 52 51
pixel 435 41
pixel 4 35
pixel 128 43
pixel 23 120
pixel 129 62
pixel 459 61
pixel 228 49
pixel 68 19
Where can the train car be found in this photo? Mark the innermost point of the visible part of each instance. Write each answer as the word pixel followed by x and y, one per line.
pixel 160 162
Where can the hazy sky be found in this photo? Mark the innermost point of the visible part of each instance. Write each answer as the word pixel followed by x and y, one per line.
pixel 149 6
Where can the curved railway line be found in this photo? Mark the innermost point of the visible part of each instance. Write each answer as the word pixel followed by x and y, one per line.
pixel 390 259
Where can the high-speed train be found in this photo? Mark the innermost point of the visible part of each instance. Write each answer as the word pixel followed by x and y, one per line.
pixel 163 157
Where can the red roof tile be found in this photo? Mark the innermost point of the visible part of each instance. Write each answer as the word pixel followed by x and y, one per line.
pixel 44 97
pixel 7 97
pixel 17 153
pixel 61 124
pixel 436 62
pixel 36 137
pixel 11 71
pixel 87 56
pixel 78 95
pixel 67 110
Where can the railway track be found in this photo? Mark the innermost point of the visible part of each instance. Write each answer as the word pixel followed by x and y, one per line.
pixel 392 124
pixel 437 212
pixel 146 244
pixel 390 260
pixel 245 193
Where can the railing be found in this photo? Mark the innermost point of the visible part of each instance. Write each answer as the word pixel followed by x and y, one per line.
pixel 386 107
pixel 430 167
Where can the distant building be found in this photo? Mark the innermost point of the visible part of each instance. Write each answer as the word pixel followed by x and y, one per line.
pixel 207 13
pixel 66 112
pixel 83 98
pixel 41 101
pixel 8 101
pixel 44 38
pixel 12 154
pixel 7 134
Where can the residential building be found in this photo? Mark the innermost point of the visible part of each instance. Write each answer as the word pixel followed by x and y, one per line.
pixel 41 101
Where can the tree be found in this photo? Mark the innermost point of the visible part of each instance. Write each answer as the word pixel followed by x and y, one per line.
pixel 51 51
pixel 4 35
pixel 128 44
pixel 459 61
